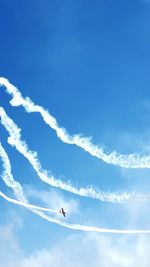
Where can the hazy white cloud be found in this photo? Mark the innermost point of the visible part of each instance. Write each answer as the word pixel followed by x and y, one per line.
pixel 54 200
pixel 9 246
pixel 77 250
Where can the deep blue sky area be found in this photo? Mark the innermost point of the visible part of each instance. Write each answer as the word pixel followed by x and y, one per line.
pixel 88 64
pixel 92 54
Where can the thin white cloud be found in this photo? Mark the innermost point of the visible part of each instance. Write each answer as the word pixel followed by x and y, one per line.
pixel 126 161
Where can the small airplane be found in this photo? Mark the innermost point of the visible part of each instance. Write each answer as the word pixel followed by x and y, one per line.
pixel 62 212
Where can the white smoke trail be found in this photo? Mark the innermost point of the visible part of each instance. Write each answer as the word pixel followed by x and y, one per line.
pixel 26 205
pixel 14 185
pixel 73 226
pixel 9 180
pixel 17 188
pixel 14 139
pixel 127 161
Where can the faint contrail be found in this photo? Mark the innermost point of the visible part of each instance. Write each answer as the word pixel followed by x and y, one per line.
pixel 14 139
pixel 73 226
pixel 26 205
pixel 127 161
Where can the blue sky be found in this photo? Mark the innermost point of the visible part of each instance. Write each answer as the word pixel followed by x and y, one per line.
pixel 88 64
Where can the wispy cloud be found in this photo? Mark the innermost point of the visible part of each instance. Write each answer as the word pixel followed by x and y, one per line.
pixel 106 251
pixel 54 199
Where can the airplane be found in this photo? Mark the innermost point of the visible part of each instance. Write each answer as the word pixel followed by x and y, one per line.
pixel 62 212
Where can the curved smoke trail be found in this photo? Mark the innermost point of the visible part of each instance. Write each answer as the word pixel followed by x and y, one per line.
pixel 9 180
pixel 14 139
pixel 26 205
pixel 79 227
pixel 126 161
pixel 14 185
